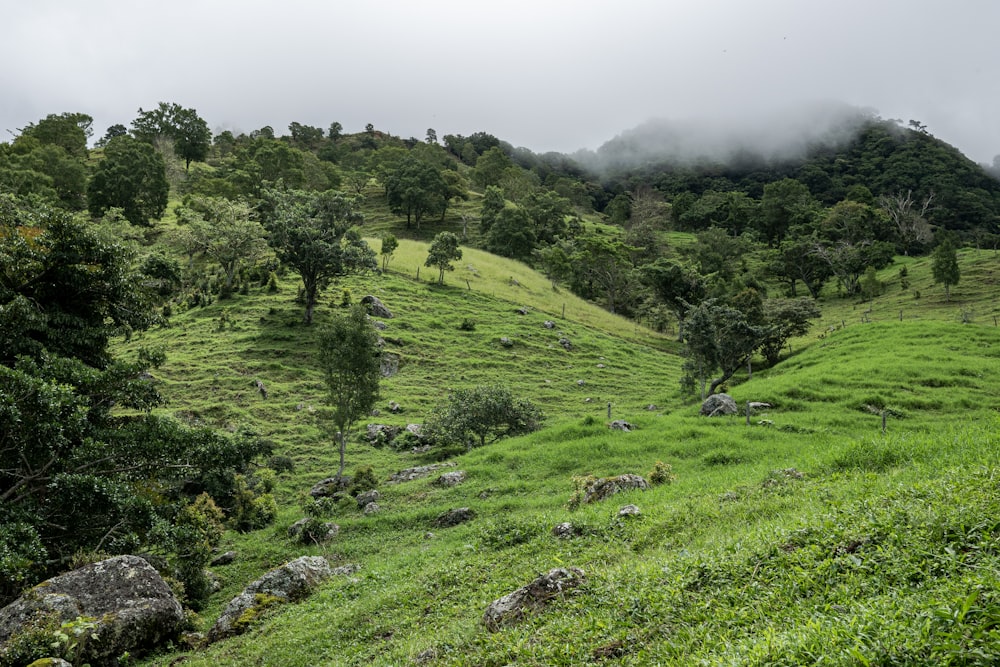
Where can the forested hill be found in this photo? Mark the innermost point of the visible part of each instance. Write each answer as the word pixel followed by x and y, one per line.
pixel 881 155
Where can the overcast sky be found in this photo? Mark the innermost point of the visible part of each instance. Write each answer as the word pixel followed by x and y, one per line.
pixel 545 74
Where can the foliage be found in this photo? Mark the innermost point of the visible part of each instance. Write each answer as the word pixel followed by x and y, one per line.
pixel 945 266
pixel 350 357
pixel 443 251
pixel 307 231
pixel 718 338
pixel 226 232
pixel 188 131
pixel 389 245
pixel 416 187
pixel 197 530
pixel 132 176
pixel 471 416
pixel 662 473
pixel 785 319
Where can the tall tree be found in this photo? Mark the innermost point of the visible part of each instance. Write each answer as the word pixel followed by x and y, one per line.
pixel 719 339
pixel 306 230
pixel 226 232
pixel 909 217
pixel 785 204
pixel 415 188
pixel 444 250
pixel 350 356
pixel 184 127
pixel 132 176
pixel 945 266
pixel 679 287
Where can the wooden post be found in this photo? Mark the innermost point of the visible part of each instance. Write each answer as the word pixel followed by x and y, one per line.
pixel 900 316
pixel 564 311
pixel 748 413
pixel 883 422
pixel 468 284
pixel 418 273
pixel 609 410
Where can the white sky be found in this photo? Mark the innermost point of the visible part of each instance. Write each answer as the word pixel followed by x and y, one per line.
pixel 544 74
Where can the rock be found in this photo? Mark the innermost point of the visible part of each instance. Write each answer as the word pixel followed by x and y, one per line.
pixel 330 486
pixel 292 581
pixel 295 529
pixel 380 325
pixel 371 508
pixel 760 405
pixel 381 435
pixel 533 597
pixel 411 474
pixel 652 407
pixel 389 365
pixel 341 570
pixel 50 662
pixel 370 496
pixel 223 559
pixel 580 383
pixel 454 517
pixel 565 342
pixel 621 425
pixel 453 478
pixel 718 405
pixel 415 429
pixel 523 310
pixel 310 530
pixel 608 486
pixel 629 511
pixel 506 342
pixel 564 530
pixel 395 408
pixel 134 607
pixel 600 365
pixel 549 324
pixel 375 307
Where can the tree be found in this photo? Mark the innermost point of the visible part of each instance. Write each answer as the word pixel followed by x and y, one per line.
pixel 794 260
pixel 848 261
pixel 444 250
pixel 389 245
pixel 350 357
pixel 945 266
pixel 679 287
pixel 719 339
pixel 909 218
pixel 415 188
pixel 225 231
pixel 306 230
pixel 512 234
pixel 490 167
pixel 184 127
pixel 85 466
pixel 493 204
pixel 786 319
pixel 132 177
pixel 785 204
pixel 605 264
pixel 69 131
pixel 471 416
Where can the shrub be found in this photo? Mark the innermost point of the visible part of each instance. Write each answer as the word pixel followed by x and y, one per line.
pixel 482 414
pixel 196 532
pixel 363 480
pixel 280 464
pixel 468 324
pixel 661 473
pixel 250 511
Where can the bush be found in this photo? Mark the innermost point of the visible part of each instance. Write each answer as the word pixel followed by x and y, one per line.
pixel 467 324
pixel 661 473
pixel 363 480
pixel 196 532
pixel 482 414
pixel 280 464
pixel 250 511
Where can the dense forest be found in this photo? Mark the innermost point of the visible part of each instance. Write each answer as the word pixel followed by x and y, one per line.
pixel 732 254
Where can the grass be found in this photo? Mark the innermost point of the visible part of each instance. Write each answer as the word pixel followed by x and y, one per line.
pixel 807 536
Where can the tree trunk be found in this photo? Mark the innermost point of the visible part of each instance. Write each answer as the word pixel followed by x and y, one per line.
pixel 343 447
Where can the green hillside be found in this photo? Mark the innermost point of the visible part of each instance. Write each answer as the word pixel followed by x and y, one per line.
pixel 808 533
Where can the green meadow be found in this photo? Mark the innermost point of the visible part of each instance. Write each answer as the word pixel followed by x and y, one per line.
pixel 809 532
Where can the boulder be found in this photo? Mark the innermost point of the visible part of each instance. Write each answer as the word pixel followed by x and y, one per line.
pixel 629 511
pixel 533 597
pixel 371 508
pixel 330 486
pixel 454 517
pixel 453 478
pixel 718 405
pixel 292 581
pixel 565 342
pixel 621 425
pixel 608 486
pixel 369 496
pixel 506 342
pixel 549 324
pixel 375 307
pixel 380 435
pixel 223 559
pixel 411 474
pixel 133 607
pixel 564 530
pixel 389 365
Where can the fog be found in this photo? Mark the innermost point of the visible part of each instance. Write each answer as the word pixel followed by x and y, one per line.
pixel 555 75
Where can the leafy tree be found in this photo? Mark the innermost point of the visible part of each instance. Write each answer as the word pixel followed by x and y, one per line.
pixel 605 265
pixel 415 188
pixel 490 167
pixel 848 261
pixel 619 209
pixel 679 287
pixel 350 356
pixel 116 130
pixel 485 413
pixel 85 465
pixel 184 127
pixel 69 131
pixel 493 204
pixel 389 245
pixel 226 232
pixel 719 340
pixel 306 230
pixel 444 250
pixel 512 234
pixel 132 177
pixel 786 203
pixel 944 266
pixel 717 253
pixel 335 130
pixel 795 260
pixel 305 137
pixel 854 223
pixel 785 319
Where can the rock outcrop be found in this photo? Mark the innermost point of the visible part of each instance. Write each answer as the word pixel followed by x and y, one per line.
pixel 606 487
pixel 133 607
pixel 290 582
pixel 533 597
pixel 375 307
pixel 719 405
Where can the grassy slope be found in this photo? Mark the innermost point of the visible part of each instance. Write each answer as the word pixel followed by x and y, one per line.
pixel 886 548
